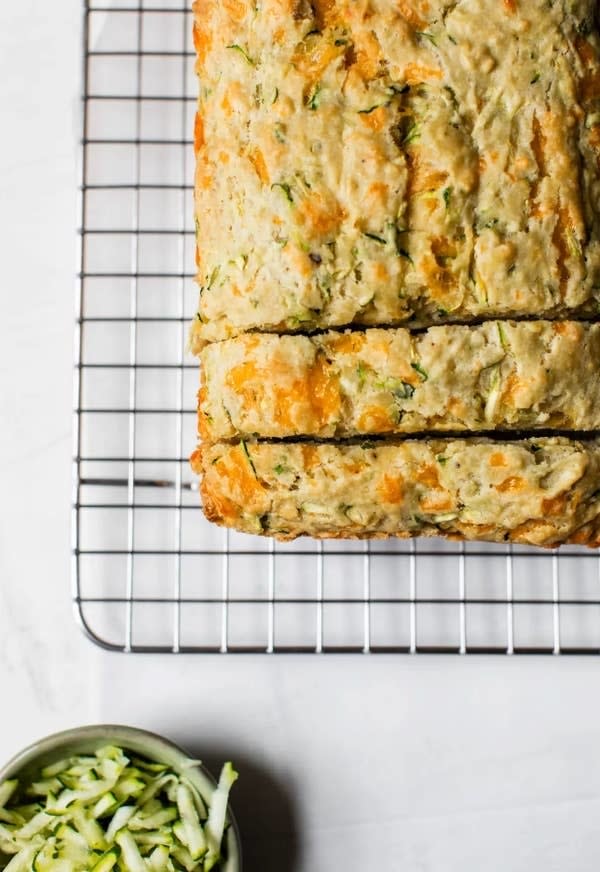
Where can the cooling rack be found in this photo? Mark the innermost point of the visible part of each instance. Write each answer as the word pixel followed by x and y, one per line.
pixel 150 574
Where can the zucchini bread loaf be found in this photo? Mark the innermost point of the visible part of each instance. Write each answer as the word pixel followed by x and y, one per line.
pixel 395 161
pixel 498 375
pixel 397 209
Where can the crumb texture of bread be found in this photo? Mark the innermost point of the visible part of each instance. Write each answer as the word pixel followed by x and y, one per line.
pixel 499 375
pixel 541 492
pixel 397 161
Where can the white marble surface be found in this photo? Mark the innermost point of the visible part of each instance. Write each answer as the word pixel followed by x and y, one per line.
pixel 386 763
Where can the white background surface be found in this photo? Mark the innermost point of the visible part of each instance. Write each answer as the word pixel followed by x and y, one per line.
pixel 382 763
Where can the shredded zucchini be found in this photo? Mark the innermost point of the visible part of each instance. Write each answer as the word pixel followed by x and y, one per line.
pixel 108 812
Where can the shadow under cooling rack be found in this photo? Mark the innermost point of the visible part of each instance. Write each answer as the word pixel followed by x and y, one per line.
pixel 150 574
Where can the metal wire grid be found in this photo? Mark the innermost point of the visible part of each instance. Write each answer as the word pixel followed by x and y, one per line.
pixel 150 574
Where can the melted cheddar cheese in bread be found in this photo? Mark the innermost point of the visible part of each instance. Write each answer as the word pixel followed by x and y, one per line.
pixel 540 492
pixel 498 375
pixel 380 162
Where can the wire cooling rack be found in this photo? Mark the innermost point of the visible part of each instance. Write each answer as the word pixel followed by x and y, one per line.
pixel 150 574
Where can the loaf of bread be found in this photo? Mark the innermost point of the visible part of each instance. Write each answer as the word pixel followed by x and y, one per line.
pixel 395 161
pixel 498 375
pixel 397 210
pixel 540 492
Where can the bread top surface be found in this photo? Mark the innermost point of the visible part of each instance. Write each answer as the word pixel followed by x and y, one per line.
pixel 386 162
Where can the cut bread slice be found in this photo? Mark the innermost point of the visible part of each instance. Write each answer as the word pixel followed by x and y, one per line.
pixel 498 375
pixel 543 492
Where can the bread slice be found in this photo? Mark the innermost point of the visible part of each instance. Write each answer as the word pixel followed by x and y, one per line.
pixel 495 376
pixel 543 492
pixel 395 161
